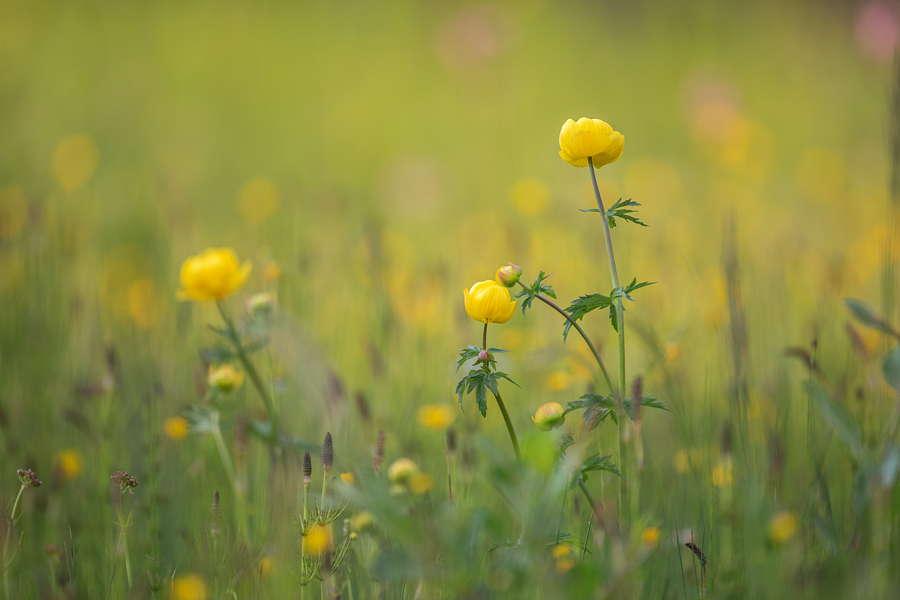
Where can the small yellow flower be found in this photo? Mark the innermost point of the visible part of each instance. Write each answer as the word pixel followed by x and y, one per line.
pixel 420 483
pixel 589 138
pixel 272 271
pixel 682 462
pixel 225 378
pixel 69 463
pixel 783 526
pixel 437 416
pixel 214 274
pixel 672 352
pixel 563 555
pixel 558 381
pixel 266 564
pixel 489 302
pixel 176 428
pixel 362 522
pixel 650 536
pixel 189 587
pixel 401 470
pixel 723 475
pixel 549 416
pixel 347 478
pixel 318 541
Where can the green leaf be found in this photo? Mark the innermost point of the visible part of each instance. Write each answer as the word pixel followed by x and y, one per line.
pixel 530 293
pixel 582 306
pixel 467 354
pixel 481 398
pixel 613 317
pixel 620 210
pixel 506 377
pixel 890 367
pixel 868 317
pixel 839 422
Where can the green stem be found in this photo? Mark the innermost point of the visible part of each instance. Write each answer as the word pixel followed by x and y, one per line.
pixel 620 318
pixel 251 372
pixel 6 560
pixel 581 332
pixel 509 425
pixel 230 473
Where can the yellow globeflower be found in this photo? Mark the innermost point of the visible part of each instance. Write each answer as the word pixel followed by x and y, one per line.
pixel 489 302
pixel 549 416
pixel 213 274
pixel 225 378
pixel 176 428
pixel 401 470
pixel 189 587
pixel 420 483
pixel 437 416
pixel 319 540
pixel 347 478
pixel 783 526
pixel 650 536
pixel 589 138
pixel 69 463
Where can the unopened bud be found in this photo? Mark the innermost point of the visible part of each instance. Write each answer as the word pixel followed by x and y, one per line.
pixel 484 356
pixel 225 378
pixel 509 275
pixel 549 416
pixel 401 470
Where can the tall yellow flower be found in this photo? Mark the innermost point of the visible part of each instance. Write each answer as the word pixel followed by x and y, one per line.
pixel 213 274
pixel 590 138
pixel 489 302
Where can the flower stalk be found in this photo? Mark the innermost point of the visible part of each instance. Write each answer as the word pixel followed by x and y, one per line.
pixel 500 404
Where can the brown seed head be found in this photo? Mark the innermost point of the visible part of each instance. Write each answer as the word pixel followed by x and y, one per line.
pixel 379 452
pixel 327 453
pixel 125 481
pixel 28 478
pixel 307 469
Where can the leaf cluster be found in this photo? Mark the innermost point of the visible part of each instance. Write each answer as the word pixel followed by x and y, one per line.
pixel 529 293
pixel 598 408
pixel 587 304
pixel 480 379
pixel 620 210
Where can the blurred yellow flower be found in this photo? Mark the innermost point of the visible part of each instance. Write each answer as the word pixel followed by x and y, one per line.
pixel 564 558
pixel 213 274
pixel 362 522
pixel 682 463
pixel 558 381
pixel 69 463
pixel 650 536
pixel 272 271
pixel 420 483
pixel 142 303
pixel 401 470
pixel 347 478
pixel 783 526
pixel 549 416
pixel 529 196
pixel 266 565
pixel 318 541
pixel 225 378
pixel 258 199
pixel 176 428
pixel 723 475
pixel 74 162
pixel 437 416
pixel 13 211
pixel 671 351
pixel 589 138
pixel 189 587
pixel 489 302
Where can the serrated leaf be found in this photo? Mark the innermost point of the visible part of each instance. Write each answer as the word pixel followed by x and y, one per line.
pixel 839 422
pixel 491 382
pixel 506 377
pixel 582 306
pixel 868 317
pixel 481 398
pixel 613 318
pixel 530 293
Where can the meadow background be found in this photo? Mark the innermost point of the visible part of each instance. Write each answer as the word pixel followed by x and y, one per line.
pixel 373 159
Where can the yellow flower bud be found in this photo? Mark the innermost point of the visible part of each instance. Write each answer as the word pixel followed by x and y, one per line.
pixel 176 428
pixel 213 274
pixel 783 526
pixel 650 536
pixel 549 416
pixel 225 378
pixel 489 302
pixel 589 138
pixel 363 521
pixel 401 470
pixel 508 276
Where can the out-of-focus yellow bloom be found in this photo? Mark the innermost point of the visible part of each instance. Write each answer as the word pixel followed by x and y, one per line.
pixel 318 540
pixel 259 198
pixel 671 351
pixel 225 378
pixel 347 478
pixel 783 526
pixel 69 463
pixel 529 196
pixel 13 211
pixel 549 416
pixel 142 303
pixel 401 470
pixel 564 559
pixel 362 522
pixel 437 416
pixel 176 428
pixel 589 138
pixel 682 463
pixel 489 302
pixel 189 587
pixel 420 483
pixel 558 381
pixel 214 274
pixel 272 271
pixel 508 276
pixel 266 565
pixel 74 162
pixel 650 536
pixel 723 475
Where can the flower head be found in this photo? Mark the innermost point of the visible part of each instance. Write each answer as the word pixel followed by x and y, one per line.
pixel 69 463
pixel 401 470
pixel 508 276
pixel 589 138
pixel 549 416
pixel 176 428
pixel 650 536
pixel 189 587
pixel 783 526
pixel 28 478
pixel 437 416
pixel 214 274
pixel 489 302
pixel 225 378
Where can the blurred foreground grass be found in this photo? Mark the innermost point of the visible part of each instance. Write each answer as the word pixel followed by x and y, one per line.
pixel 373 160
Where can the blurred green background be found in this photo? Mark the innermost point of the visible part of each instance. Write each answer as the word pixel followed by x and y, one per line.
pixel 373 159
